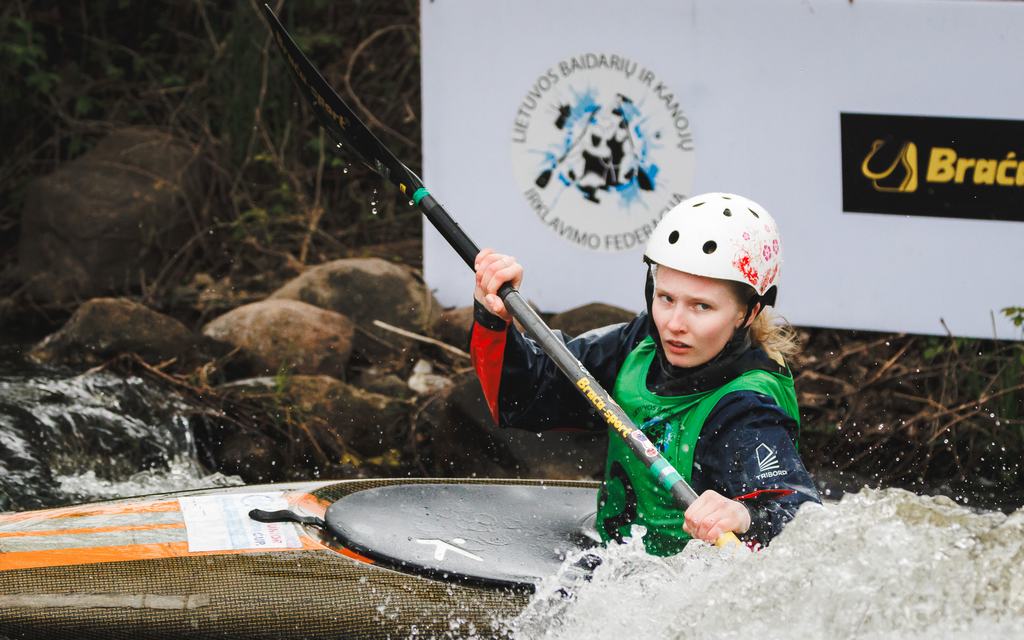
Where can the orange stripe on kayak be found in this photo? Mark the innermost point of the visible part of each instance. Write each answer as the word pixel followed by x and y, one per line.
pixel 71 532
pixel 309 503
pixel 96 555
pixel 91 510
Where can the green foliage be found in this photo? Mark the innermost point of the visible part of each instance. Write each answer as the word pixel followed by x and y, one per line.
pixel 282 380
pixel 1015 314
pixel 253 222
pixel 936 346
pixel 319 40
pixel 24 52
pixel 980 369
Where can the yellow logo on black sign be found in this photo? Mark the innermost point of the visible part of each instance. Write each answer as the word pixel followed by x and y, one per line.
pixel 906 158
pixel 944 166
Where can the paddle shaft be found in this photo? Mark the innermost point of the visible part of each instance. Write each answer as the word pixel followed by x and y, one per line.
pixel 351 135
pixel 585 384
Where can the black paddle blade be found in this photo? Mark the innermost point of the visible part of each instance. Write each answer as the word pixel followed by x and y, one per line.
pixel 341 123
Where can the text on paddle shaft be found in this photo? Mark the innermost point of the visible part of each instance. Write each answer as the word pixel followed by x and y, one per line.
pixel 602 407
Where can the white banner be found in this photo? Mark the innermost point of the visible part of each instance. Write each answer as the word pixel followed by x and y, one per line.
pixel 882 135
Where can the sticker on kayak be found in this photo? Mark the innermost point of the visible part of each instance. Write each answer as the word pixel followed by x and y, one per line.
pixel 222 523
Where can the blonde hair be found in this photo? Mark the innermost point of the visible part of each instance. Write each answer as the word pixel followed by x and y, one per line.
pixel 769 331
pixel 775 336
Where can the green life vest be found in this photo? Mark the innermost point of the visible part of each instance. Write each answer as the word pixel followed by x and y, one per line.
pixel 631 495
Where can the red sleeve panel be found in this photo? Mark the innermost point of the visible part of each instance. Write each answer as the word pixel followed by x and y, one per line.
pixel 487 347
pixel 765 493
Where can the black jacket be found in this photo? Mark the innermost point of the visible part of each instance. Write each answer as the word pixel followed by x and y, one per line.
pixel 746 449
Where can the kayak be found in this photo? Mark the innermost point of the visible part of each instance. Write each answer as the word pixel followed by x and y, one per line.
pixel 350 559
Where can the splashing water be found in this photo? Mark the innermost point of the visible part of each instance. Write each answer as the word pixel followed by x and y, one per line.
pixel 70 438
pixel 181 474
pixel 878 564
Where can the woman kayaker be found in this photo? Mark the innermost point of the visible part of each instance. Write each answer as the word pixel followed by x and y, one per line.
pixel 701 372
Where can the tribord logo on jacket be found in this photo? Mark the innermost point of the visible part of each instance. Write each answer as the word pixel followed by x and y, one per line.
pixel 767 462
pixel 602 148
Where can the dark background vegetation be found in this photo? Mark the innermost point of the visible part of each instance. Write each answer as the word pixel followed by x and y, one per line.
pixel 944 413
pixel 277 198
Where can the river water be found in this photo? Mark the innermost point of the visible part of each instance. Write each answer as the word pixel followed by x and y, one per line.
pixel 876 564
pixel 71 437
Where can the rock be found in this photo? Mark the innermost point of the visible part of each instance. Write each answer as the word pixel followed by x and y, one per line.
pixel 252 456
pixel 424 381
pixel 590 316
pixel 337 416
pixel 453 326
pixel 560 455
pixel 554 454
pixel 370 423
pixel 100 222
pixel 211 298
pixel 105 327
pixel 408 252
pixel 455 445
pixel 288 335
pixel 384 383
pixel 368 289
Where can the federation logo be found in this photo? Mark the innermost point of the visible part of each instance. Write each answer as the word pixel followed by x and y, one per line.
pixel 602 148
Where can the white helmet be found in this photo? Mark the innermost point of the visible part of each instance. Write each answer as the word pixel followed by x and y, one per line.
pixel 720 235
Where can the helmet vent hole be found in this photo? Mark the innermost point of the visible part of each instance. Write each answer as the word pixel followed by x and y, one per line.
pixel 673 237
pixel 754 212
pixel 697 205
pixel 710 246
pixel 727 213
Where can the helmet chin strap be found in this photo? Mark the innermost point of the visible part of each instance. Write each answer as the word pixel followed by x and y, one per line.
pixel 751 304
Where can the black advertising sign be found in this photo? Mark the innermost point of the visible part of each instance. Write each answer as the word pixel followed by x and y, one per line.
pixel 928 166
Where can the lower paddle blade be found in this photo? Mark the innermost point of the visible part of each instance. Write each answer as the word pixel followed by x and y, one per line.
pixel 728 540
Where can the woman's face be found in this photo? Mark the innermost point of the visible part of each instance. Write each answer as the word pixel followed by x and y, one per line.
pixel 695 316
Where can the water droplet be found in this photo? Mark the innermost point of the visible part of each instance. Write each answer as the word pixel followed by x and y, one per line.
pixel 373 211
pixel 345 170
pixel 412 204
